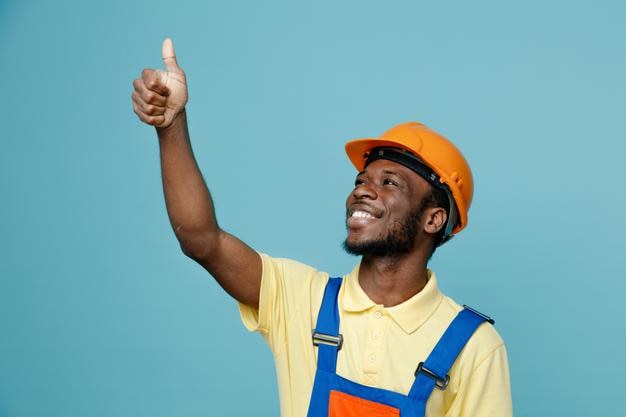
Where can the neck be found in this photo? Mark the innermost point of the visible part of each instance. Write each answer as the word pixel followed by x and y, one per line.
pixel 392 280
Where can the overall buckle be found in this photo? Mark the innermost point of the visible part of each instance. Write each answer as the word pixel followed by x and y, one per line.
pixel 440 383
pixel 327 339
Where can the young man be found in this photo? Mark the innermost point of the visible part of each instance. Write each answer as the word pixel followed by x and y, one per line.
pixel 382 341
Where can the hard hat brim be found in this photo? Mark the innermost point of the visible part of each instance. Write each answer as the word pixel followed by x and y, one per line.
pixel 358 149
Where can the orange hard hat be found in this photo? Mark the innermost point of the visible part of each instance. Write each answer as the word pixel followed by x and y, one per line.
pixel 435 152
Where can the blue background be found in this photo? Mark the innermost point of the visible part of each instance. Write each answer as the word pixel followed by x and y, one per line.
pixel 102 315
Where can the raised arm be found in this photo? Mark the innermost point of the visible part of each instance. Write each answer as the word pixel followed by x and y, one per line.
pixel 159 99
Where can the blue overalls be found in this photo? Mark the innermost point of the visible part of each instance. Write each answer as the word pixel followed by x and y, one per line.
pixel 335 396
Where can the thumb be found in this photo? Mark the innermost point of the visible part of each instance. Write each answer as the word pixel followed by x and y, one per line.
pixel 169 56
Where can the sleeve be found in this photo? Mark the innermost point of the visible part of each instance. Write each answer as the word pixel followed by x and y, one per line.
pixel 488 391
pixel 287 288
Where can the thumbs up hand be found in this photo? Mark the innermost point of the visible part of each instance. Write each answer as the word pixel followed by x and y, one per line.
pixel 174 79
pixel 160 96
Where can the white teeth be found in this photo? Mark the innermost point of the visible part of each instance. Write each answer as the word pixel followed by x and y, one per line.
pixel 362 215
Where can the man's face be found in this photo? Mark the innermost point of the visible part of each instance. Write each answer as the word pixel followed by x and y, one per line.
pixel 383 212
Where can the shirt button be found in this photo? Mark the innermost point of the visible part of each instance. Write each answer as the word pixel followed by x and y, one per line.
pixel 372 358
pixel 370 379
pixel 374 336
pixel 378 314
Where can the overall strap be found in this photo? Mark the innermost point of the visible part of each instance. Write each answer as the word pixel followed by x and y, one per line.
pixel 326 333
pixel 434 371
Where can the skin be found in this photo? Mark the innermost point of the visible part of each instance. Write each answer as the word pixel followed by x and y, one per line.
pixel 385 189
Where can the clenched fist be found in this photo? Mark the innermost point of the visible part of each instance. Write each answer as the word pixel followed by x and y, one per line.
pixel 160 95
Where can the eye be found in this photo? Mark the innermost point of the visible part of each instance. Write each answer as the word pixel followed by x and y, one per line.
pixel 388 181
pixel 358 182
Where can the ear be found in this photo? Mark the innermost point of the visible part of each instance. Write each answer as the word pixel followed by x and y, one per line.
pixel 435 218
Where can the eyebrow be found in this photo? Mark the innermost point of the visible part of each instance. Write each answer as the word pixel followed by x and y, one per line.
pixel 394 173
pixel 385 172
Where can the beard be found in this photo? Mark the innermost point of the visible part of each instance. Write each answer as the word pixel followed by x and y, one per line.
pixel 398 240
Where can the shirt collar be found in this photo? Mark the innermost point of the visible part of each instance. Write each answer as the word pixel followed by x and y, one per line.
pixel 409 315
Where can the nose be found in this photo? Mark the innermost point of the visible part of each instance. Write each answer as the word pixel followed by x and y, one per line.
pixel 364 190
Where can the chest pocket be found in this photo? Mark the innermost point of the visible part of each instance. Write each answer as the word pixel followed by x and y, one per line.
pixel 346 405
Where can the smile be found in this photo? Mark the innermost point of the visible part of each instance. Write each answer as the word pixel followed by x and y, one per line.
pixel 358 214
pixel 360 218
